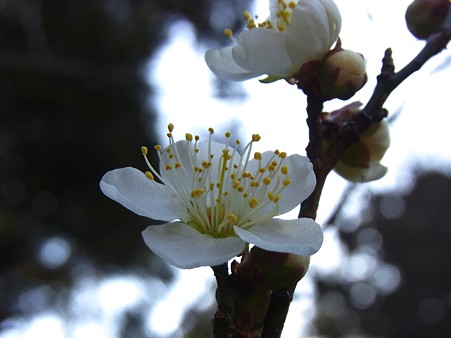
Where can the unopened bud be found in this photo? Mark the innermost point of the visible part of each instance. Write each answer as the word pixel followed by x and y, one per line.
pixel 425 17
pixel 342 74
pixel 361 161
pixel 274 270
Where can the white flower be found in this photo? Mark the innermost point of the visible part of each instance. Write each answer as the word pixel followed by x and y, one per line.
pixel 215 200
pixel 295 33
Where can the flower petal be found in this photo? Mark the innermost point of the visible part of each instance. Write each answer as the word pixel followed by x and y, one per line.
pixel 334 20
pixel 314 27
pixel 221 62
pixel 302 185
pixel 301 236
pixel 262 51
pixel 186 248
pixel 131 188
pixel 361 175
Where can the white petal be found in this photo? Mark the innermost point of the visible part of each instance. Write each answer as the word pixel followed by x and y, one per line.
pixel 303 182
pixel 314 27
pixel 221 62
pixel 301 236
pixel 334 20
pixel 262 51
pixel 186 248
pixel 131 188
pixel 361 175
pixel 378 142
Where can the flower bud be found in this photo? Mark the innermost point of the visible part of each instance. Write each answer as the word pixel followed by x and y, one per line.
pixel 274 270
pixel 360 162
pixel 342 73
pixel 425 17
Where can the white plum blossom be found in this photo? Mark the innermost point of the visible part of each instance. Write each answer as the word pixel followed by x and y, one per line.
pixel 295 33
pixel 216 200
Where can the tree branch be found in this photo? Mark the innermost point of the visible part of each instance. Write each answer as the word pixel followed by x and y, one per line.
pixel 348 134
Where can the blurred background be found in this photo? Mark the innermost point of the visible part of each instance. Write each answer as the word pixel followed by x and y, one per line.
pixel 83 84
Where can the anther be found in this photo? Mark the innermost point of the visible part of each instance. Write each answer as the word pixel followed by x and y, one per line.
pixel 246 15
pixel 286 181
pixel 258 156
pixel 284 170
pixel 170 127
pixel 149 175
pixel 253 202
pixel 228 33
pixel 256 137
pixel 197 192
pixel 232 218
pixel 211 130
pixel 188 137
pixel 144 150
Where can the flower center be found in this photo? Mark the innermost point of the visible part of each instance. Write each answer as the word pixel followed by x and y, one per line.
pixel 218 187
pixel 279 19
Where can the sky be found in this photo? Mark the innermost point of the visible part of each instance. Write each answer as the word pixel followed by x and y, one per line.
pixel 419 137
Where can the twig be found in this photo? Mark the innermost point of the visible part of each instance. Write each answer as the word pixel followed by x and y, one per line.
pixel 223 319
pixel 349 133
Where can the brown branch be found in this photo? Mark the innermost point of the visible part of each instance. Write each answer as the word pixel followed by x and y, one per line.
pixel 349 133
pixel 223 325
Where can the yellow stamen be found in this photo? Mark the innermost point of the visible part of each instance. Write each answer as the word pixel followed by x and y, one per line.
pixel 232 218
pixel 286 181
pixel 246 15
pixel 253 202
pixel 197 192
pixel 258 156
pixel 256 137
pixel 228 33
pixel 149 175
pixel 144 150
